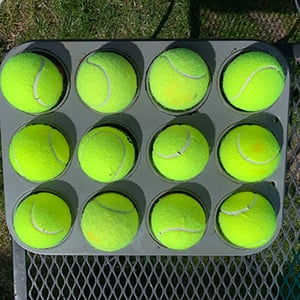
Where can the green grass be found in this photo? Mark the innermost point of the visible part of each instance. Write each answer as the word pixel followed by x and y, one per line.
pixel 21 20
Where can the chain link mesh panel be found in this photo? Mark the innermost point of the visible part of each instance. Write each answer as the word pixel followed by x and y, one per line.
pixel 270 274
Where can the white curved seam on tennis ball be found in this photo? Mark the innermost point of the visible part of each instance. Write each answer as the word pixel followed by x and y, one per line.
pixel 181 151
pixel 109 133
pixel 36 82
pixel 179 229
pixel 115 210
pixel 182 73
pixel 21 172
pixel 249 78
pixel 238 144
pixel 238 212
pixel 40 229
pixel 52 149
pixel 108 84
pixel 123 159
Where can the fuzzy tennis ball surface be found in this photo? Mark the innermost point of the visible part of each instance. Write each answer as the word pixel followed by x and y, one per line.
pixel 31 82
pixel 106 154
pixel 178 79
pixel 180 152
pixel 39 152
pixel 247 219
pixel 110 221
pixel 253 81
pixel 249 153
pixel 106 82
pixel 178 221
pixel 42 220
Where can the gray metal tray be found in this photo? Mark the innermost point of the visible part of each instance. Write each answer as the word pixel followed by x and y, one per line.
pixel 144 119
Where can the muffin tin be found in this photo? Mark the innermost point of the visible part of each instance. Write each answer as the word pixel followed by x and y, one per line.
pixel 144 119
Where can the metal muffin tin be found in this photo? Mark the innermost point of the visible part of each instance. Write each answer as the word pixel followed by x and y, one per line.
pixel 144 119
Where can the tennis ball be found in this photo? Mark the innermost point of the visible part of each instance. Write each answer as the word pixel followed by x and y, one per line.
pixel 42 220
pixel 39 152
pixel 249 153
pixel 247 220
pixel 106 154
pixel 110 221
pixel 180 152
pixel 178 79
pixel 31 82
pixel 106 82
pixel 177 221
pixel 253 81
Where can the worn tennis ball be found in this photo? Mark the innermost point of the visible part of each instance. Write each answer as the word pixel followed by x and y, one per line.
pixel 177 221
pixel 253 81
pixel 180 152
pixel 31 82
pixel 178 79
pixel 247 219
pixel 110 221
pixel 106 154
pixel 106 82
pixel 42 220
pixel 249 153
pixel 39 152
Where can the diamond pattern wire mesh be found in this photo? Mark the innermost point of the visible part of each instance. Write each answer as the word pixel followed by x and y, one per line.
pixel 270 274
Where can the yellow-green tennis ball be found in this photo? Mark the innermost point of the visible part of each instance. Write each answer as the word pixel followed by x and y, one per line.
pixel 178 221
pixel 253 81
pixel 180 152
pixel 106 154
pixel 247 220
pixel 110 221
pixel 39 152
pixel 31 82
pixel 42 220
pixel 178 79
pixel 249 153
pixel 106 82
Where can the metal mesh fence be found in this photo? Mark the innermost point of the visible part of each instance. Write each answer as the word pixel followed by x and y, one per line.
pixel 270 274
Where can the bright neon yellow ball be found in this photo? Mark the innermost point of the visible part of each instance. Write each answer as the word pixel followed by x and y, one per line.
pixel 31 82
pixel 106 82
pixel 178 221
pixel 106 154
pixel 39 152
pixel 180 152
pixel 42 220
pixel 110 222
pixel 247 220
pixel 249 153
pixel 253 81
pixel 178 79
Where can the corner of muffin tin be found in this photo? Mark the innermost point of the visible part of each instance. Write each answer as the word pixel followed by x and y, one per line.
pixel 144 120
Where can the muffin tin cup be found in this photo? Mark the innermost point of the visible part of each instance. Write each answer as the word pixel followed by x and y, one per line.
pixel 143 120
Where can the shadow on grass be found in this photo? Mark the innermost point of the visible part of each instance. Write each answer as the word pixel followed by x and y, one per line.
pixel 164 19
pixel 229 6
pixel 240 6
